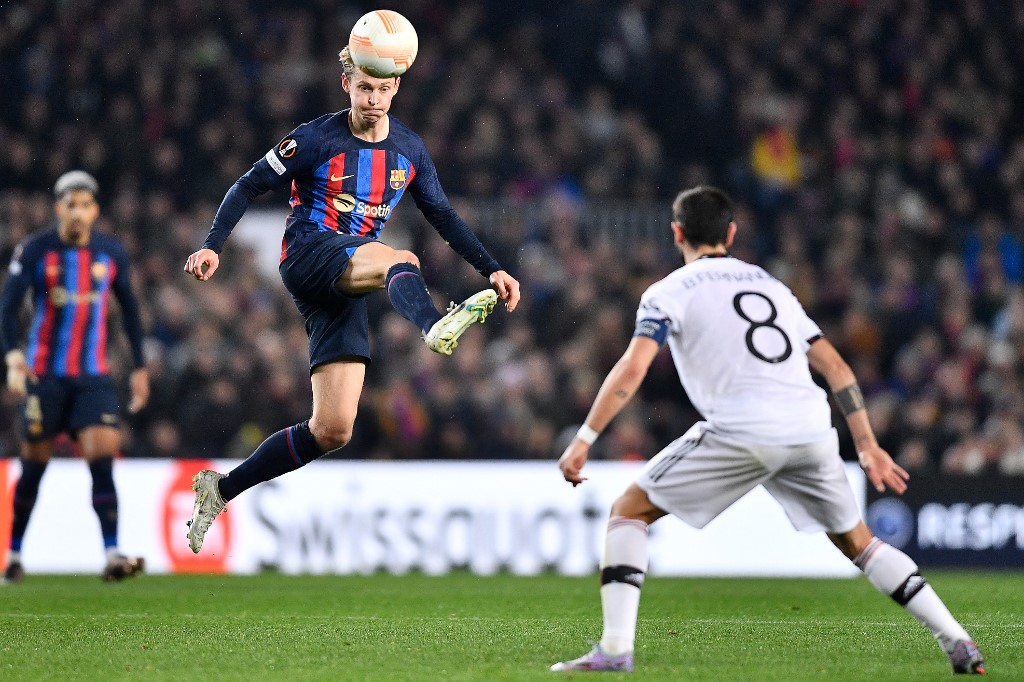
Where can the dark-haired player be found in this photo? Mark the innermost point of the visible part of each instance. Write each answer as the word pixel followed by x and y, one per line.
pixel 743 347
pixel 63 373
pixel 347 173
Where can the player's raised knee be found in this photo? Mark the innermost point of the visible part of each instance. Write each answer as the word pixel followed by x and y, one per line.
pixel 331 436
pixel 406 257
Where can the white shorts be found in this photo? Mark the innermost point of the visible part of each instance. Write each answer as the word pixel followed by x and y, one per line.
pixel 698 476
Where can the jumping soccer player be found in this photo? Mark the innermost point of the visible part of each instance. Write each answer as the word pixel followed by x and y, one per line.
pixel 63 373
pixel 743 347
pixel 347 170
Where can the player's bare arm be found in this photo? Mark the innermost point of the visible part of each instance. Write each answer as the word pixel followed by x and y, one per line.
pixel 138 383
pixel 618 389
pixel 881 470
pixel 202 264
pixel 507 287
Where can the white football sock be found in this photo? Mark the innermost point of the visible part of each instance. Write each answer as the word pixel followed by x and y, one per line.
pixel 13 557
pixel 625 545
pixel 113 553
pixel 893 573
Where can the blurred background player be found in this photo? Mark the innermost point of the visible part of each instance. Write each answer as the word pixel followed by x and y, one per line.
pixel 63 374
pixel 347 172
pixel 743 346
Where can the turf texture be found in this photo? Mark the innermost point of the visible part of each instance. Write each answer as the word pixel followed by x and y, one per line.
pixel 465 627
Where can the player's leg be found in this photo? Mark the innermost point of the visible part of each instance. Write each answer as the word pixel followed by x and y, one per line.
pixel 339 347
pixel 374 266
pixel 695 478
pixel 99 445
pixel 35 457
pixel 623 567
pixel 814 492
pixel 93 419
pixel 44 414
pixel 336 390
pixel 895 574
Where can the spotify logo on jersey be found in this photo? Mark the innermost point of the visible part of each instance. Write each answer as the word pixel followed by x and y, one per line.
pixel 344 203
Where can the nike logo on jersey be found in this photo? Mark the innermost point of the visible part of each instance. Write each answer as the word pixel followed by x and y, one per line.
pixel 335 178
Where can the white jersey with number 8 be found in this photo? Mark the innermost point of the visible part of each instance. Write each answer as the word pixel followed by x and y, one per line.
pixel 739 340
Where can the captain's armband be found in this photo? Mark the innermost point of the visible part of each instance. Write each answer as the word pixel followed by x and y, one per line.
pixel 656 330
pixel 850 399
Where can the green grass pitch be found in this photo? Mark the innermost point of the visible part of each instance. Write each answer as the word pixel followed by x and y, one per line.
pixel 464 627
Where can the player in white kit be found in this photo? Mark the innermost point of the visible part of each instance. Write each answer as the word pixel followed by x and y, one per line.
pixel 744 348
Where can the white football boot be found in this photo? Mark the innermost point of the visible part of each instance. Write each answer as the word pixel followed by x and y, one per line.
pixel 208 504
pixel 443 337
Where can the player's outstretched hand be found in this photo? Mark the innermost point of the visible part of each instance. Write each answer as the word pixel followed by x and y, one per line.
pixel 572 461
pixel 202 264
pixel 17 373
pixel 882 471
pixel 139 384
pixel 507 287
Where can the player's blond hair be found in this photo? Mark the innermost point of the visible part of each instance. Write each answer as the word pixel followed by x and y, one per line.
pixel 347 65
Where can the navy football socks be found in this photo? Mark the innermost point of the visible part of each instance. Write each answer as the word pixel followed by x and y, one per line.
pixel 25 493
pixel 285 451
pixel 408 293
pixel 104 498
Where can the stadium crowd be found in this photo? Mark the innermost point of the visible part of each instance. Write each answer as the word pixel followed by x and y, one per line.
pixel 876 149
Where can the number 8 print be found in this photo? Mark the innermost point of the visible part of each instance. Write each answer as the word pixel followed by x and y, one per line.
pixel 737 303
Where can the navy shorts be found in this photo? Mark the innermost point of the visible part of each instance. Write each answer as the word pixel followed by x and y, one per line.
pixel 64 405
pixel 336 323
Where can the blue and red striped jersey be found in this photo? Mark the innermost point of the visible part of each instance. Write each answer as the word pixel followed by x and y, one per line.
pixel 71 289
pixel 342 183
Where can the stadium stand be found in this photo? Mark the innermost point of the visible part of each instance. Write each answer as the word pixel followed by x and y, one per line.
pixel 876 149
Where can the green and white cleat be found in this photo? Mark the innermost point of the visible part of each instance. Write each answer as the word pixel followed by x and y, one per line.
pixel 443 337
pixel 208 504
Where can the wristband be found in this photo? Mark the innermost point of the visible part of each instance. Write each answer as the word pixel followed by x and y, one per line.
pixel 587 434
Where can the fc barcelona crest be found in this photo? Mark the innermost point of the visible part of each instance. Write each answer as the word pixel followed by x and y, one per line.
pixel 398 178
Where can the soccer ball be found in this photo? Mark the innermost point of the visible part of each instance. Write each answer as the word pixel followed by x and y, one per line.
pixel 383 43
